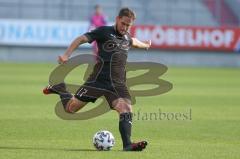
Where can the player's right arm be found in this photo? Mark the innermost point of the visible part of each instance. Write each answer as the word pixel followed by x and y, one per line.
pixel 74 45
pixel 87 37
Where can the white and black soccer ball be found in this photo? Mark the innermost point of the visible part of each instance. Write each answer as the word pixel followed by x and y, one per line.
pixel 103 140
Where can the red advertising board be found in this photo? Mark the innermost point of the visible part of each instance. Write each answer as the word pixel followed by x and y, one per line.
pixel 189 38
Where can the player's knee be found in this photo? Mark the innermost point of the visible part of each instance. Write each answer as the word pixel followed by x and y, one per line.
pixel 121 106
pixel 68 107
pixel 127 108
pixel 72 106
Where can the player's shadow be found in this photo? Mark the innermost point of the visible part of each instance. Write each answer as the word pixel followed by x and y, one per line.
pixel 42 148
pixel 47 149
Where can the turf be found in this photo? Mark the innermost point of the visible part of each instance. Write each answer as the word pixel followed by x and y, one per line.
pixel 206 102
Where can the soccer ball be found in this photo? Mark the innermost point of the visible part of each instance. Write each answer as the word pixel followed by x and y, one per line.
pixel 103 140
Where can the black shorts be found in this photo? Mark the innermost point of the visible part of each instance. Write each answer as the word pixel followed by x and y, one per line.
pixel 91 91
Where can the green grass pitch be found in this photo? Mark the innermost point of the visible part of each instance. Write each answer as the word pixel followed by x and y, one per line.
pixel 209 98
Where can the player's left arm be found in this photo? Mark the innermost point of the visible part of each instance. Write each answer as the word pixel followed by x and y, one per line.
pixel 140 44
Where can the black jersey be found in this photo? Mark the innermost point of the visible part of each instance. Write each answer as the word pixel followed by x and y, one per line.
pixel 109 76
pixel 112 49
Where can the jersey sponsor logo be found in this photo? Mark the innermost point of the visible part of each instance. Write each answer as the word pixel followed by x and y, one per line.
pixel 116 44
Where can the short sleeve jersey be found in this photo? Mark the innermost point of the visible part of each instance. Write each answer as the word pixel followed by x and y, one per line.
pixel 112 49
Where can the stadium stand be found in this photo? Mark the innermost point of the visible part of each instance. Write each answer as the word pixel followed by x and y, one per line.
pixel 150 12
pixel 172 12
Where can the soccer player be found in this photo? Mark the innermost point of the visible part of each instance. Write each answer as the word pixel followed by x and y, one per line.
pixel 108 78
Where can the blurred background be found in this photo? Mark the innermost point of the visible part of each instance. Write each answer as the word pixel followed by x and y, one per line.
pixel 198 40
pixel 183 32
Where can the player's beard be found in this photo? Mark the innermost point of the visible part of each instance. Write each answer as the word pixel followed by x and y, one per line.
pixel 119 32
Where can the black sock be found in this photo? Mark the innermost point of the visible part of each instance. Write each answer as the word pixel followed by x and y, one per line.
pixel 61 90
pixel 125 126
pixel 65 97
